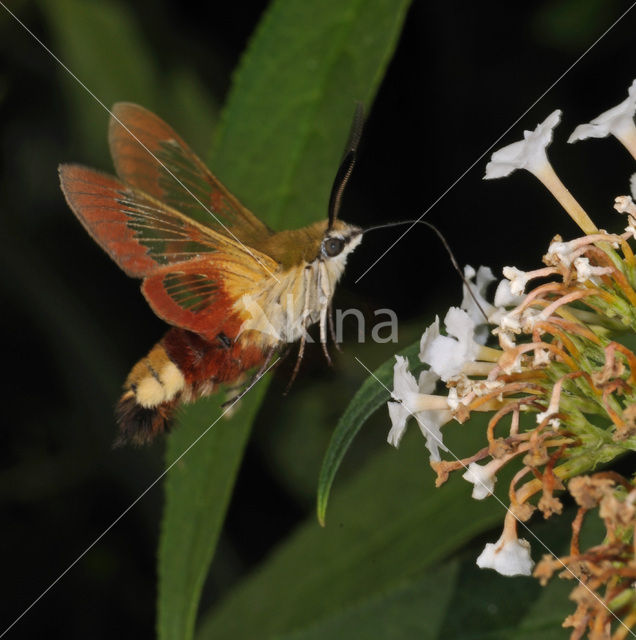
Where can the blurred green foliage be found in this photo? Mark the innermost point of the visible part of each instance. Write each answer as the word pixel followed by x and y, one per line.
pixel 104 49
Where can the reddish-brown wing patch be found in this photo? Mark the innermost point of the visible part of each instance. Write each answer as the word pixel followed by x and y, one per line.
pixel 195 295
pixel 149 155
pixel 139 232
pixel 95 198
pixel 192 275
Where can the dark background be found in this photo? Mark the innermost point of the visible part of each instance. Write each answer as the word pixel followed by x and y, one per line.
pixel 73 324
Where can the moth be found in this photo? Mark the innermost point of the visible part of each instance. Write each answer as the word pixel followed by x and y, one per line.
pixel 233 291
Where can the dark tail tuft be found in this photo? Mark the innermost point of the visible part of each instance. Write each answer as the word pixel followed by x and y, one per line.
pixel 140 425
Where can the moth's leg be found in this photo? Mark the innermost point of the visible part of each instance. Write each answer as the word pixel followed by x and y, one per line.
pixel 303 338
pixel 332 330
pixel 246 386
pixel 324 297
pixel 299 359
pixel 323 333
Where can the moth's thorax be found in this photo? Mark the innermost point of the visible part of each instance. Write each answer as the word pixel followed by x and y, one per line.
pixel 294 247
pixel 279 309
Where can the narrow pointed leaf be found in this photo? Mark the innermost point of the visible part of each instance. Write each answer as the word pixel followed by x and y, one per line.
pixel 268 150
pixel 411 610
pixel 370 397
pixel 198 489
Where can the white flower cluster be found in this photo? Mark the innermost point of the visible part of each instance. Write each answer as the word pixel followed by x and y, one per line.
pixel 412 401
pixel 448 357
pixel 530 153
pixel 458 353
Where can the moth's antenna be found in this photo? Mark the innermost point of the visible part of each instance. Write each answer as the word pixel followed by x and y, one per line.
pixel 440 235
pixel 347 164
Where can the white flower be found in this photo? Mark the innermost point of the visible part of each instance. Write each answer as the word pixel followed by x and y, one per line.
pixel 541 358
pixel 510 322
pixel 431 333
pixel 447 355
pixel 403 384
pixel 411 400
pixel 483 478
pixel 509 556
pixel 560 253
pixel 585 271
pixel 530 317
pixel 528 153
pixel 619 121
pixel 479 288
pixel 453 399
pixel 518 280
pixel 504 298
pixel 625 204
pixel 553 422
pixel 427 382
pixel 403 379
pixel 430 426
pixel 632 185
pixel 398 415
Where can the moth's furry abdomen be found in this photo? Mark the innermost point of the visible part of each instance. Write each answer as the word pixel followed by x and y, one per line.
pixel 180 368
pixel 140 425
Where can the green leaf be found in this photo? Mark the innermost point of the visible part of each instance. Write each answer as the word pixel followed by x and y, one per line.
pixel 84 34
pixel 388 524
pixel 544 618
pixel 294 97
pixel 371 395
pixel 198 489
pixel 435 597
pixel 267 141
pixel 190 109
pixel 421 607
pixel 412 610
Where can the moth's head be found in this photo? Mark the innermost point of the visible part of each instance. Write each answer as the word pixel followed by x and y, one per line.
pixel 339 240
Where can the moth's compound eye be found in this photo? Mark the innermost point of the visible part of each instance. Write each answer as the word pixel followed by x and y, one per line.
pixel 333 246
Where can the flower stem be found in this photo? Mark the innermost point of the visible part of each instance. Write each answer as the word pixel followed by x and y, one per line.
pixel 488 354
pixel 552 182
pixel 478 368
